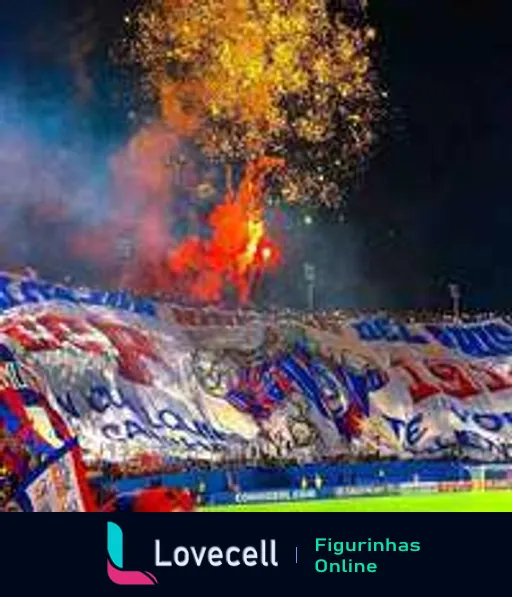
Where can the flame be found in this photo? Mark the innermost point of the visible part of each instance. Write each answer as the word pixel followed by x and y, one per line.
pixel 236 253
pixel 239 249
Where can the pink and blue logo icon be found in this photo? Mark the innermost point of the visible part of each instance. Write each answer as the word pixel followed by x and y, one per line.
pixel 115 570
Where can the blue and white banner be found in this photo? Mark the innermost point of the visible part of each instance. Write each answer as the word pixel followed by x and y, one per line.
pixel 17 291
pixel 188 384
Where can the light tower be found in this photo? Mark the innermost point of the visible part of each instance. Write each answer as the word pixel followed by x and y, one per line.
pixel 125 256
pixel 455 295
pixel 310 277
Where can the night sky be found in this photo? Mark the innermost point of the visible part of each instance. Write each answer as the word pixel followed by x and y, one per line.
pixel 432 207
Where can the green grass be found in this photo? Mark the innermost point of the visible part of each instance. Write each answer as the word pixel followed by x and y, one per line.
pixel 492 501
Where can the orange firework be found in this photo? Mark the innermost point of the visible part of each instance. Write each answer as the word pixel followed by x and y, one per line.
pixel 258 77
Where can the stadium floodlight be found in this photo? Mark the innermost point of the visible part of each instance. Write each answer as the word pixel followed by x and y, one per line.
pixel 455 295
pixel 310 277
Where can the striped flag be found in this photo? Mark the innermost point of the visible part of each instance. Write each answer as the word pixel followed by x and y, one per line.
pixel 38 448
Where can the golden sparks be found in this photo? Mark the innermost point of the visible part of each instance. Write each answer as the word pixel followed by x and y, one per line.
pixel 247 78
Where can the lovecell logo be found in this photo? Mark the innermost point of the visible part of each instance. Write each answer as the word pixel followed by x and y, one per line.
pixel 115 561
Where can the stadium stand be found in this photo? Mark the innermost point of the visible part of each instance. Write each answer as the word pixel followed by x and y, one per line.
pixel 242 401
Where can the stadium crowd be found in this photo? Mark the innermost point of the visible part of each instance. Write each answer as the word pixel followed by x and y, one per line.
pixel 16 459
pixel 213 317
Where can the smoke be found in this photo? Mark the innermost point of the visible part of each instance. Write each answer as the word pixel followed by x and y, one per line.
pixel 51 183
pixel 83 36
pixel 70 199
pixel 128 214
pixel 87 200
pixel 137 213
pixel 142 184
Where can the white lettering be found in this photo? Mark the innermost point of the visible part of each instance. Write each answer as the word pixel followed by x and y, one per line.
pixel 250 552
pixel 215 556
pixel 158 560
pixel 229 551
pixel 215 552
pixel 273 560
pixel 198 557
pixel 181 561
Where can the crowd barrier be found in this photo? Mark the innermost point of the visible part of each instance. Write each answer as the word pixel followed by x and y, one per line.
pixel 301 495
pixel 254 479
pixel 323 481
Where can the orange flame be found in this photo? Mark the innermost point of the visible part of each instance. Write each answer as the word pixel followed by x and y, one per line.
pixel 236 254
pixel 239 250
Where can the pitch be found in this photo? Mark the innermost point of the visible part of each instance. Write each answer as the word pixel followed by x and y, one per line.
pixel 496 501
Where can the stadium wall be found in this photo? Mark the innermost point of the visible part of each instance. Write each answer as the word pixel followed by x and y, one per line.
pixel 259 479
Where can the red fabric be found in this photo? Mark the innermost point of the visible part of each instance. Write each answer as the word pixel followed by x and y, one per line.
pixel 161 499
pixel 88 499
pixel 184 501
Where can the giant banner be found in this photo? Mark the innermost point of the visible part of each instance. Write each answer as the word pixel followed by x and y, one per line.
pixel 122 380
pixel 369 386
pixel 130 375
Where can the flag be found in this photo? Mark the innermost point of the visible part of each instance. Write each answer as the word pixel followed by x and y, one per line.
pixel 38 448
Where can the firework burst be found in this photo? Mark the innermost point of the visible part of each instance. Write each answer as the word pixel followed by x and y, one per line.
pixel 248 78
